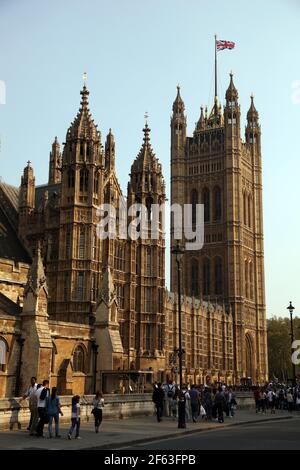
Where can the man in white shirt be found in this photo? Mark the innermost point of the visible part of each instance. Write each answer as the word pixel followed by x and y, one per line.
pixel 41 394
pixel 30 392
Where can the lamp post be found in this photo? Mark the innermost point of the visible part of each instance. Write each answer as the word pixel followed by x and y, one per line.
pixel 178 251
pixel 291 309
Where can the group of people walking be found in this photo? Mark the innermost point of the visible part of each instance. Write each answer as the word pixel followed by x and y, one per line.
pixel 274 397
pixel 200 402
pixel 45 408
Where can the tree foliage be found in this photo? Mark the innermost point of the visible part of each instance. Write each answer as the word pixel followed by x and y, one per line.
pixel 279 347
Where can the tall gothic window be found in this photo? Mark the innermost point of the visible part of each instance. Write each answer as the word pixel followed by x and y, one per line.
pixel 206 277
pixel 71 178
pixel 159 337
pixel 93 288
pixel 246 280
pixel 217 204
pixel 218 276
pixel 120 295
pixel 84 180
pixel 81 243
pixel 94 247
pixel 119 256
pixel 148 301
pixel 3 354
pixel 249 211
pixel 66 286
pixel 96 184
pixel 68 243
pixel 147 337
pixel 148 262
pixel 251 280
pixel 245 208
pixel 195 278
pixel 79 287
pixel 194 202
pixel 206 202
pixel 78 359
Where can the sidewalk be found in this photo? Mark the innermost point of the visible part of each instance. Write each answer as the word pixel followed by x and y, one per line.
pixel 115 434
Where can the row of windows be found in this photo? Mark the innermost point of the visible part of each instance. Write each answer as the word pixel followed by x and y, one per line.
pixel 205 168
pixel 81 248
pixel 212 277
pixel 83 180
pixel 206 200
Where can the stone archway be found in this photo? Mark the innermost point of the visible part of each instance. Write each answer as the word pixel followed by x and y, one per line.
pixel 249 357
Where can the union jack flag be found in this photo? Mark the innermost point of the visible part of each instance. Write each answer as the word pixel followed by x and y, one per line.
pixel 221 45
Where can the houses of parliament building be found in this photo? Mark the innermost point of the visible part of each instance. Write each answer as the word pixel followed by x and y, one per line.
pixel 92 313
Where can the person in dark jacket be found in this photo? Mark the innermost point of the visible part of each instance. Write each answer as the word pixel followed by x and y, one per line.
pixel 220 404
pixel 158 399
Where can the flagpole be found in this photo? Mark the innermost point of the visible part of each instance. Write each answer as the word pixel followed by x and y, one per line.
pixel 216 89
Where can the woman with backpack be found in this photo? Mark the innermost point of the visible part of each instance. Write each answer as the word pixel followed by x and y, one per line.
pixel 54 410
pixel 98 405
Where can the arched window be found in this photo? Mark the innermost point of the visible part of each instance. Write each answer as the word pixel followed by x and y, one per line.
pixel 94 248
pixel 246 280
pixel 218 276
pixel 249 211
pixel 194 202
pixel 78 359
pixel 81 243
pixel 84 180
pixel 217 204
pixel 71 178
pixel 148 262
pixel 195 278
pixel 3 353
pixel 251 280
pixel 245 208
pixel 147 337
pixel 206 277
pixel 96 184
pixel 206 202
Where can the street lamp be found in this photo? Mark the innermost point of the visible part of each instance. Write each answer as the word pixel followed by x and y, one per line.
pixel 291 309
pixel 178 251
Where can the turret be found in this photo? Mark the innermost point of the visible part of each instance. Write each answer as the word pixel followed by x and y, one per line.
pixel 110 151
pixel 178 125
pixel 55 163
pixel 253 132
pixel 232 115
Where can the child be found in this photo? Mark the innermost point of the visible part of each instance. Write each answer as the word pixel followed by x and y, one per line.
pixel 54 410
pixel 75 417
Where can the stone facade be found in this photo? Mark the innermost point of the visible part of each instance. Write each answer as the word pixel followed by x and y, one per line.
pixel 94 313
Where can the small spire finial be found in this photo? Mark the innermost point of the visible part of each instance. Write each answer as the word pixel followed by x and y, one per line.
pixel 29 163
pixel 146 116
pixel 84 78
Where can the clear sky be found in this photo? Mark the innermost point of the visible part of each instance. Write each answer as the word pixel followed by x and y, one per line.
pixel 135 52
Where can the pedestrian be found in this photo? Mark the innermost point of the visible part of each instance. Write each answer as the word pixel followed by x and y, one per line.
pixel 298 402
pixel 34 412
pixel 158 399
pixel 195 403
pixel 174 405
pixel 169 395
pixel 220 405
pixel 42 393
pixel 75 417
pixel 271 401
pixel 98 405
pixel 30 394
pixel 207 403
pixel 290 400
pixel 53 409
pixel 231 403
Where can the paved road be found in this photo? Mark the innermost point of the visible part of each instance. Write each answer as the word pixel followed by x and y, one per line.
pixel 271 436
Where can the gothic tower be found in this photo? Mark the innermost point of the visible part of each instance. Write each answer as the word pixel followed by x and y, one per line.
pixel 76 270
pixel 147 190
pixel 217 168
pixel 55 163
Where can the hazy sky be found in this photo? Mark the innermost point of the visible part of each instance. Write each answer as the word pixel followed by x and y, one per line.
pixel 135 52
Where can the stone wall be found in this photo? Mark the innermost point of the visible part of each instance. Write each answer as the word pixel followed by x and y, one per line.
pixel 14 412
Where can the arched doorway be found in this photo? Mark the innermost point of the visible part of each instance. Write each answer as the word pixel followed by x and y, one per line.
pixel 249 357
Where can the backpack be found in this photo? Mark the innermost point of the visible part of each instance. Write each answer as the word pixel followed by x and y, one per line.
pixel 43 394
pixel 170 393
